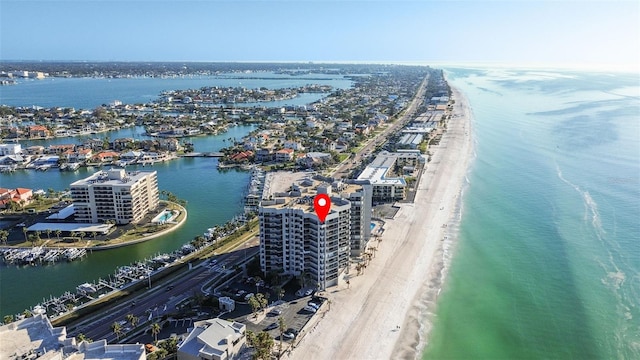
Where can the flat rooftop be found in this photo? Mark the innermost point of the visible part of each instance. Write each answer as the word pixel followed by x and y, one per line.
pixel 114 177
pixel 77 227
pixel 297 190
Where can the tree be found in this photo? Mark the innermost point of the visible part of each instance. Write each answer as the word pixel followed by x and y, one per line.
pixel 24 231
pixel 82 234
pixel 4 235
pixel 262 300
pixel 262 343
pixel 133 320
pixel 7 319
pixel 116 328
pixel 33 238
pixel 58 232
pixel 48 231
pixel 82 337
pixel 27 313
pixel 170 345
pixel 155 330
pixel 281 326
pixel 255 305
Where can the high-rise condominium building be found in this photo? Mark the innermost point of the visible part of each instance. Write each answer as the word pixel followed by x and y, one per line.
pixel 125 197
pixel 293 241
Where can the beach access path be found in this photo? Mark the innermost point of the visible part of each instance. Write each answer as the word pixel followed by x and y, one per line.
pixel 376 315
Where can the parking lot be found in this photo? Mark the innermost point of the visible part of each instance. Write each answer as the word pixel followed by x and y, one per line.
pixel 291 308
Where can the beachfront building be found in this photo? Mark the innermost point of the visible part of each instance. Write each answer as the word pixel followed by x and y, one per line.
pixel 35 338
pixel 125 197
pixel 213 339
pixel 385 174
pixel 293 241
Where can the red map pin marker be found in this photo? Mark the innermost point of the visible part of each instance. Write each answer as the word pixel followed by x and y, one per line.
pixel 322 205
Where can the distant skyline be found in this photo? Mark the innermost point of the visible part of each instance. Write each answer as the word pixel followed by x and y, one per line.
pixel 529 33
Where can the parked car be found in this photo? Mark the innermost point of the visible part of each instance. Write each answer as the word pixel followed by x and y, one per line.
pixel 309 309
pixel 271 326
pixel 248 296
pixel 274 312
pixel 314 305
pixel 290 333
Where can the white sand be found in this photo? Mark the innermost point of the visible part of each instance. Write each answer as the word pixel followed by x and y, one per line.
pixel 363 320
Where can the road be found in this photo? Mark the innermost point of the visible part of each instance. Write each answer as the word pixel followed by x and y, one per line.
pixel 161 299
pixel 345 167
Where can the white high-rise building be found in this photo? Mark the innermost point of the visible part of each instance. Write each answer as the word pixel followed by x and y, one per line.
pixel 293 241
pixel 125 197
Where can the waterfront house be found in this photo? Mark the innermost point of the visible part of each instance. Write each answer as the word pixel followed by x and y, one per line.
pixel 59 149
pixel 38 131
pixel 123 144
pixel 130 156
pixel 10 160
pixel 10 149
pixel 34 150
pixel 105 156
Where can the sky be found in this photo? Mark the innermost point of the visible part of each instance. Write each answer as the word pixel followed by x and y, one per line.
pixel 544 33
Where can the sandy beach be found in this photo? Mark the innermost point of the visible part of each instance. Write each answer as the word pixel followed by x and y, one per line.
pixel 378 315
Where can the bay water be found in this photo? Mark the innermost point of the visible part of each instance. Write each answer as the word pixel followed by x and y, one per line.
pixel 547 259
pixel 213 196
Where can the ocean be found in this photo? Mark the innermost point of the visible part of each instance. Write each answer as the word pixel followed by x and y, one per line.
pixel 547 259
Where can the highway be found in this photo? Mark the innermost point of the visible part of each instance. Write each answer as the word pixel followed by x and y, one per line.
pixel 161 299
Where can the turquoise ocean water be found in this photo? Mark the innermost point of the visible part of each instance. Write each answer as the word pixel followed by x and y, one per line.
pixel 547 263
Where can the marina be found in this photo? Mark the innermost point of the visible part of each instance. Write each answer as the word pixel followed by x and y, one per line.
pixel 40 255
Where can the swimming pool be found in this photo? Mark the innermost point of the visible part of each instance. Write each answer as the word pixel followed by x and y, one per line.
pixel 163 217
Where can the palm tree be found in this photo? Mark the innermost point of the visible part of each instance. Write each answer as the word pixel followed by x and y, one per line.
pixel 82 234
pixel 281 327
pixel 155 330
pixel 24 231
pixel 33 238
pixel 82 337
pixel 133 320
pixel 49 233
pixel 94 234
pixel 58 232
pixel 117 329
pixel 7 319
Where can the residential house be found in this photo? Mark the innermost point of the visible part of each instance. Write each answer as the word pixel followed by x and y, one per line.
pixel 264 155
pixel 105 156
pixel 34 150
pixel 284 155
pixel 59 149
pixel 38 131
pixel 10 149
pixel 213 339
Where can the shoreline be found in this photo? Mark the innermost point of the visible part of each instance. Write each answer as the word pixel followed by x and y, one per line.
pixel 381 313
